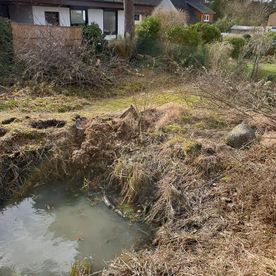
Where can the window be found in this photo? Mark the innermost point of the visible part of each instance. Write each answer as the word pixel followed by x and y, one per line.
pixel 4 11
pixel 52 18
pixel 206 18
pixel 110 22
pixel 78 17
pixel 137 17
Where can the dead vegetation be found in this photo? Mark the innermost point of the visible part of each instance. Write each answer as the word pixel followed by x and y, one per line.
pixel 213 206
pixel 50 61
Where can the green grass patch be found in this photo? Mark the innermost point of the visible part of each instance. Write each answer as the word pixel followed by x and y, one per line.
pixel 266 71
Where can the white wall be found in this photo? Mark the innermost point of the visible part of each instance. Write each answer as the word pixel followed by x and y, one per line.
pixel 166 5
pixel 121 23
pixel 39 15
pixel 95 16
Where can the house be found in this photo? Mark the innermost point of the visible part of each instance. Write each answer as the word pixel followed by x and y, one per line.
pixel 196 10
pixel 242 30
pixel 271 23
pixel 108 14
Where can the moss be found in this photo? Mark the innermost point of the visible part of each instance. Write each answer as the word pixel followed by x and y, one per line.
pixel 176 139
pixel 192 147
pixel 83 267
pixel 174 128
pixel 128 210
pixel 9 104
pixel 226 179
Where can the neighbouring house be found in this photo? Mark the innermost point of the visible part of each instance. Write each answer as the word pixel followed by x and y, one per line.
pixel 241 30
pixel 196 10
pixel 108 14
pixel 271 23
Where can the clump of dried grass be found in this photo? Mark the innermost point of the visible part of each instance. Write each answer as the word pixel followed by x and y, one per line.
pixel 170 113
pixel 218 54
pixel 168 204
pixel 132 176
pixel 170 18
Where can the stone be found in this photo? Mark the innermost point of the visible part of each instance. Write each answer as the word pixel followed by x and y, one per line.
pixel 241 135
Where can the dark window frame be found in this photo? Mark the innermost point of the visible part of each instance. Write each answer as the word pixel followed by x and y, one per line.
pixel 56 12
pixel 116 21
pixel 6 12
pixel 79 9
pixel 135 17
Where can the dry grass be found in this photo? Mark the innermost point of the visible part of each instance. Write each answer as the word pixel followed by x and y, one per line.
pixel 213 206
pixel 170 18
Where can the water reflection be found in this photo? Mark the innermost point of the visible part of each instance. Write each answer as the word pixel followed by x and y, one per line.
pixel 46 232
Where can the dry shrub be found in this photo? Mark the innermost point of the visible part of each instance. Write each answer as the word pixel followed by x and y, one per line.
pixel 246 12
pixel 230 92
pixel 170 18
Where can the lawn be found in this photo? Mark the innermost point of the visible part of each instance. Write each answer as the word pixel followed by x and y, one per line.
pixel 267 70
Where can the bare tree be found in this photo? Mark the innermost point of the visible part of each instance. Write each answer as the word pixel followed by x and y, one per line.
pixel 129 18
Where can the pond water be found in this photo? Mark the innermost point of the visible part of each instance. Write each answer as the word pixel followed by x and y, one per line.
pixel 55 226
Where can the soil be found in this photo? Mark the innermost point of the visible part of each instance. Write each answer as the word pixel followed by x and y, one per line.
pixel 48 123
pixel 8 121
pixel 3 131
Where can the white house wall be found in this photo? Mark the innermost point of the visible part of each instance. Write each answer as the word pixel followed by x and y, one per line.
pixel 121 23
pixel 95 16
pixel 39 15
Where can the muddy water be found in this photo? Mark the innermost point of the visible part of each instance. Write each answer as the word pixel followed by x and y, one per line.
pixel 55 226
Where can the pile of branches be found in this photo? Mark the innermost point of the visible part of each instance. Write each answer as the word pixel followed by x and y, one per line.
pixel 63 65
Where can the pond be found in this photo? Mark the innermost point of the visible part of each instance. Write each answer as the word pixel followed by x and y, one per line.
pixel 55 226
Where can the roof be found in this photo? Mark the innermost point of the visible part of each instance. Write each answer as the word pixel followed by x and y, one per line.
pixel 197 4
pixel 137 2
pixel 151 3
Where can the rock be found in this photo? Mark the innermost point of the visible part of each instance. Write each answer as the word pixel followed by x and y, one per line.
pixel 3 131
pixel 240 136
pixel 268 83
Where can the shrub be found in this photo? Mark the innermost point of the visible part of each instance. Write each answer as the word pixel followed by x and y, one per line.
pixel 238 44
pixel 183 35
pixel 224 24
pixel 187 56
pixel 148 41
pixel 272 37
pixel 5 45
pixel 94 37
pixel 208 33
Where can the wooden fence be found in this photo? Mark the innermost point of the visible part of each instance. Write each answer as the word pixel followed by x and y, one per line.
pixel 28 37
